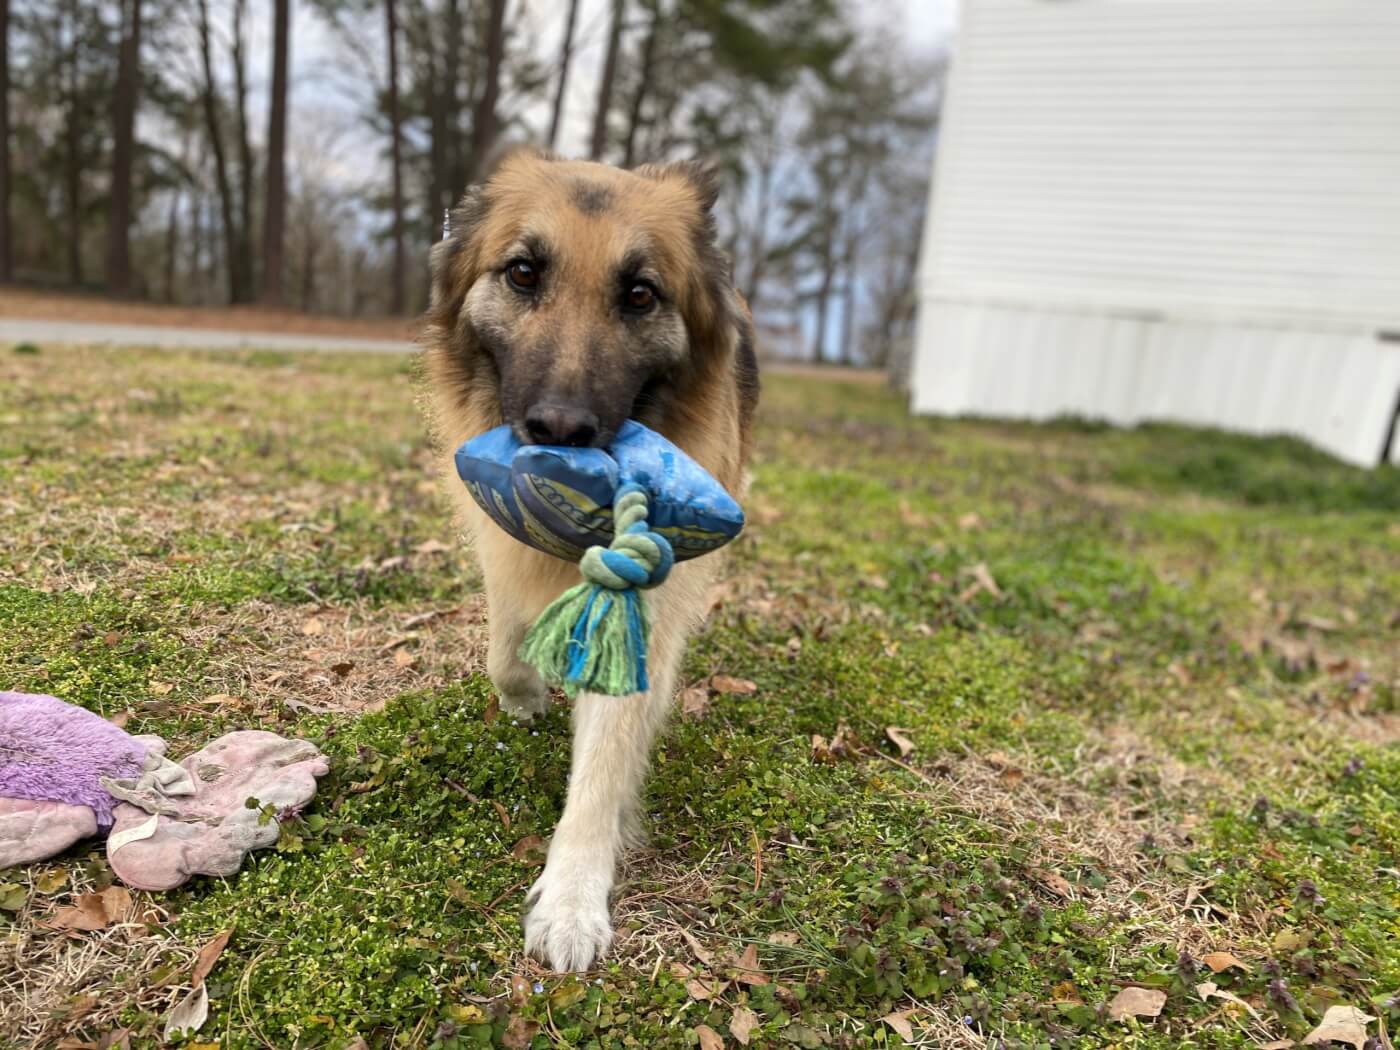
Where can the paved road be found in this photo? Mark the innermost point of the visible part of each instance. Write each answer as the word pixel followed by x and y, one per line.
pixel 20 330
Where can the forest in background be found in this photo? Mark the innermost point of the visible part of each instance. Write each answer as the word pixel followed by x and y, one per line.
pixel 152 149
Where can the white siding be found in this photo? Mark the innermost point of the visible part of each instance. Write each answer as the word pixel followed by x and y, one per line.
pixel 1227 171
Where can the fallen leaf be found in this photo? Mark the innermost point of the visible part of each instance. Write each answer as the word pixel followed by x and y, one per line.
pixel 1218 961
pixel 1340 1024
pixel 899 1021
pixel 785 938
pixel 503 814
pixel 519 990
pixel 723 683
pixel 742 1024
pixel 969 521
pixel 1210 990
pixel 432 547
pixel 93 911
pixel 1052 881
pixel 120 718
pixel 530 849
pixel 1278 1044
pixel 162 688
pixel 695 701
pixel 705 957
pixel 220 700
pixel 208 956
pixel 404 658
pixel 1136 1002
pixel 897 737
pixel 703 988
pixel 313 626
pixel 189 1015
pixel 748 970
pixel 709 1038
pixel 1066 992
pixel 398 561
pixel 982 578
pixel 519 1033
pixel 343 668
pixel 493 710
pixel 52 881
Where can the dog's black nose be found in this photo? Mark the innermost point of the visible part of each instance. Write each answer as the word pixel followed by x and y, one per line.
pixel 552 424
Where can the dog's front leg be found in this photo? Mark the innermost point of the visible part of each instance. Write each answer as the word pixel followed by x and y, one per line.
pixel 568 925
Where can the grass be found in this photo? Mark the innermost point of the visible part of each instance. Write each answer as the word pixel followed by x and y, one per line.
pixel 1041 713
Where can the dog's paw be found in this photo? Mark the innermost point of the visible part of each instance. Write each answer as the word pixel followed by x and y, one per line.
pixel 568 926
pixel 524 706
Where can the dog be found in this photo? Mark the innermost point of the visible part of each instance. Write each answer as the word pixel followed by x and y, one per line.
pixel 567 297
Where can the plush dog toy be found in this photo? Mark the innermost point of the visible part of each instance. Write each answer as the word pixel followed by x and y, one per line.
pixel 626 514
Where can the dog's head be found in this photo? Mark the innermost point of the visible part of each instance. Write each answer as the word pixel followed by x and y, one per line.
pixel 575 295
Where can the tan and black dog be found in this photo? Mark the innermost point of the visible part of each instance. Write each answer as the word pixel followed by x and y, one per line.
pixel 568 297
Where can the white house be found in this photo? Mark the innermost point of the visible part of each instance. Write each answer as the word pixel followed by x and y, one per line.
pixel 1180 210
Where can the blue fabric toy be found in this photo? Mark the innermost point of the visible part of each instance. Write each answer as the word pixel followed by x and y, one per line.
pixel 625 513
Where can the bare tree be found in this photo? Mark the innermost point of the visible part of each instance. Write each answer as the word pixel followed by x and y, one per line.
pixel 605 83
pixel 485 121
pixel 397 300
pixel 245 149
pixel 275 199
pixel 644 79
pixel 123 133
pixel 566 51
pixel 6 253
pixel 209 98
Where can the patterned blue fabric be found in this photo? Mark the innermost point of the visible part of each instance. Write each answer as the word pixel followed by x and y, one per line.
pixel 559 500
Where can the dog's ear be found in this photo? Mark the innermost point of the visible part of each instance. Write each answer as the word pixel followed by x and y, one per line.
pixel 454 252
pixel 701 176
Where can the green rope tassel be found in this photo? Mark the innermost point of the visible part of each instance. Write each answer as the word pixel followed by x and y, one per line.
pixel 593 638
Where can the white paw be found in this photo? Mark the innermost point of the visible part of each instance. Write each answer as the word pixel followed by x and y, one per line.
pixel 568 926
pixel 524 706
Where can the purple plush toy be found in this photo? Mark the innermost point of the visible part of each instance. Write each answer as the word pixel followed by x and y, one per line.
pixel 53 757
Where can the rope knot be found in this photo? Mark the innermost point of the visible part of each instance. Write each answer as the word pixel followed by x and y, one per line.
pixel 637 557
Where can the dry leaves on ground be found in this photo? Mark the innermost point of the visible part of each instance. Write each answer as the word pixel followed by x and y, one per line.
pixel 709 1038
pixel 723 683
pixel 897 737
pixel 1340 1024
pixel 1137 1002
pixel 92 911
pixel 899 1021
pixel 742 1024
pixel 208 956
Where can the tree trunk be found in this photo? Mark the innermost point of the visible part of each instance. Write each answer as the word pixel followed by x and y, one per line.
pixel 453 177
pixel 639 96
pixel 73 167
pixel 236 288
pixel 245 151
pixel 848 302
pixel 172 244
pixel 828 260
pixel 397 302
pixel 485 122
pixel 758 237
pixel 6 249
pixel 605 83
pixel 123 134
pixel 566 52
pixel 275 198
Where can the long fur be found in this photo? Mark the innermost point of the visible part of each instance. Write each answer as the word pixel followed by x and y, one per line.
pixel 687 372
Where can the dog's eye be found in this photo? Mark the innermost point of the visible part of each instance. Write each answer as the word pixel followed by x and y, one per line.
pixel 523 276
pixel 640 298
